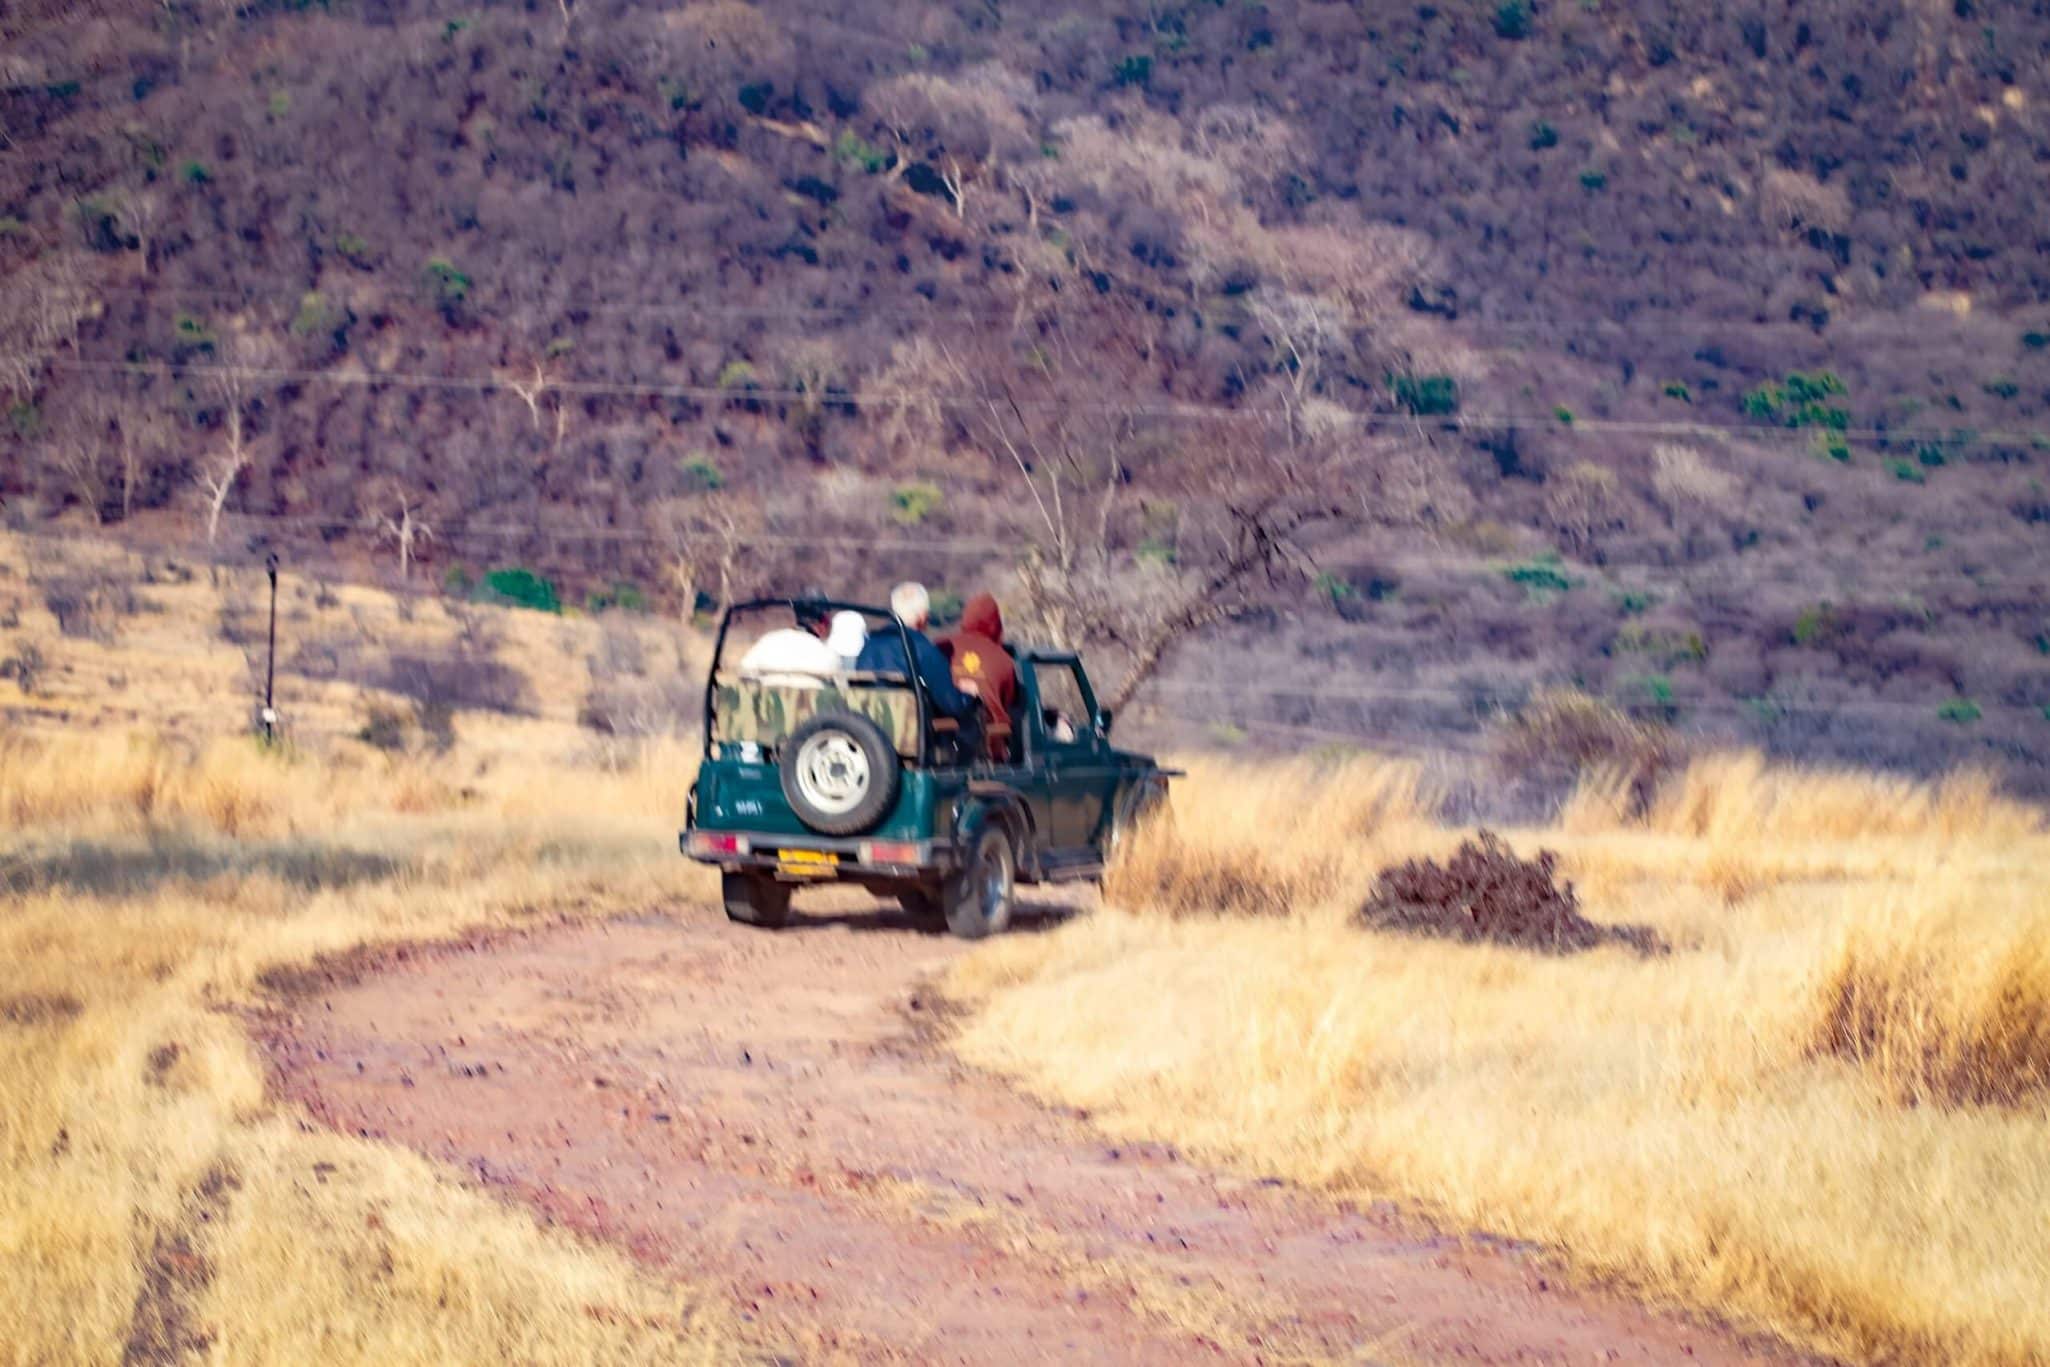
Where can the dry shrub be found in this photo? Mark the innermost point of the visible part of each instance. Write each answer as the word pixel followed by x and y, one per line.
pixel 1585 501
pixel 1265 839
pixel 1737 798
pixel 24 667
pixel 666 705
pixel 1564 735
pixel 235 788
pixel 1687 484
pixel 88 604
pixel 1943 1005
pixel 1484 892
pixel 1792 199
pixel 463 679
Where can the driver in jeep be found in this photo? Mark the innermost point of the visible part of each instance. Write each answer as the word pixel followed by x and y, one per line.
pixel 884 654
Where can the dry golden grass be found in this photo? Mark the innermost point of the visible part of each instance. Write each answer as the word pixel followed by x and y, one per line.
pixel 153 869
pixel 131 1101
pixel 1825 1113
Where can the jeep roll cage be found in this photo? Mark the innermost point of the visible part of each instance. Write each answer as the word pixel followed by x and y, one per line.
pixel 827 605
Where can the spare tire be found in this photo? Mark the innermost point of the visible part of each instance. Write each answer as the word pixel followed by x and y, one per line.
pixel 839 773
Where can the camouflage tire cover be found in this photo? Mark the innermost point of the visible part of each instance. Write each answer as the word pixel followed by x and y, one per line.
pixel 766 713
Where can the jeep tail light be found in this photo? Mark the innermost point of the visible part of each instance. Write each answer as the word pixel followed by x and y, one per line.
pixel 891 852
pixel 716 844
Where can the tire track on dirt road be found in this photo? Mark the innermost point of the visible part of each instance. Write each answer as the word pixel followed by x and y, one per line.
pixel 769 1117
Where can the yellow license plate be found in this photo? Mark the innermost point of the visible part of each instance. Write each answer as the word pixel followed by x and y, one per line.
pixel 807 863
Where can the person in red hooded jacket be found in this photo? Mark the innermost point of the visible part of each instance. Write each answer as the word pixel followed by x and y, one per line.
pixel 977 652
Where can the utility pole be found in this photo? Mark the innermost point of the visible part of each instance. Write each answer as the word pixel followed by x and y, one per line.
pixel 270 665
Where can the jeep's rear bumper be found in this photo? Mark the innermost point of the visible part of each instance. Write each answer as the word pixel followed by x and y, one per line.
pixel 820 858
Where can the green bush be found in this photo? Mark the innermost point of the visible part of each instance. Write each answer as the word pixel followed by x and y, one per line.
pixel 1543 136
pixel 853 150
pixel 1513 19
pixel 1959 712
pixel 315 315
pixel 1540 577
pixel 1907 472
pixel 1833 445
pixel 1671 644
pixel 522 588
pixel 10 226
pixel 735 374
pixel 1931 455
pixel 449 285
pixel 1427 396
pixel 1815 625
pixel 1802 401
pixel 911 504
pixel 2001 387
pixel 1334 588
pixel 194 173
pixel 1656 691
pixel 352 248
pixel 193 333
pixel 1156 551
pixel 1677 389
pixel 1563 414
pixel 1592 180
pixel 701 476
pixel 458 582
pixel 621 597
pixel 2035 339
pixel 1136 70
pixel 1631 602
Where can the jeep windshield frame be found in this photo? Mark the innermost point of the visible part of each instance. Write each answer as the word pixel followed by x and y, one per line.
pixel 869 612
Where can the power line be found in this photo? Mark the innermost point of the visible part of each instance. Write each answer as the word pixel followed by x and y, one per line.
pixel 1545 328
pixel 1182 410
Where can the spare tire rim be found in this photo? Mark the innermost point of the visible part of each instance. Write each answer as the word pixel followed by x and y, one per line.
pixel 832 772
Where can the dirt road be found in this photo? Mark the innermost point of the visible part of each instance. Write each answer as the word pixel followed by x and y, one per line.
pixel 771 1117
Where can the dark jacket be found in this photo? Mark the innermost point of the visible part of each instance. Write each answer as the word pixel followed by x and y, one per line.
pixel 977 651
pixel 884 654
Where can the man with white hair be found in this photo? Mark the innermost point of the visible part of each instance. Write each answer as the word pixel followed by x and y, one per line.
pixel 884 653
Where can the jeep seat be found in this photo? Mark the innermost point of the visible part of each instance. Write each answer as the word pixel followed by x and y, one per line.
pixel 745 709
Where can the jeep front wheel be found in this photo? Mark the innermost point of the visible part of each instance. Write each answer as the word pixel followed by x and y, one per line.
pixel 977 898
pixel 755 901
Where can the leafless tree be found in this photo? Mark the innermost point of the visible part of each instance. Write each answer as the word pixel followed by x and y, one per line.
pixel 41 308
pixel 404 528
pixel 1074 437
pixel 139 210
pixel 237 383
pixel 961 128
pixel 78 454
pixel 145 432
pixel 1304 333
pixel 706 540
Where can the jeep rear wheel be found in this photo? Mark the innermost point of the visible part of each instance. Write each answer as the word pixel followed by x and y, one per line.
pixel 977 898
pixel 754 900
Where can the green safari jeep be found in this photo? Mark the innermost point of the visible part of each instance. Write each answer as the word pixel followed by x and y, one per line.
pixel 851 777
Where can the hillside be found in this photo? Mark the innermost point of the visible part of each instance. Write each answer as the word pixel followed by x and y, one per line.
pixel 1699 359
